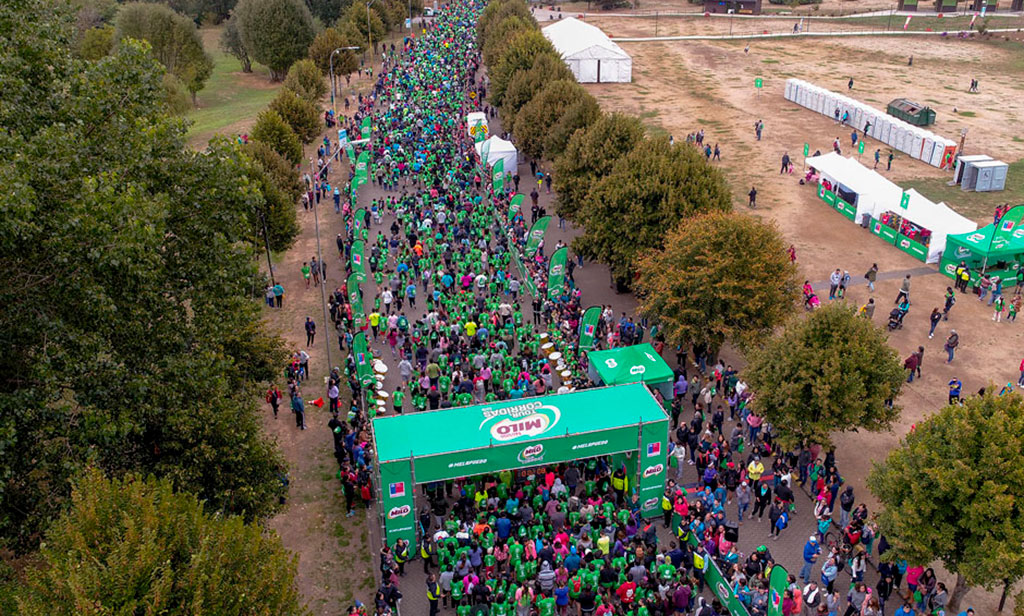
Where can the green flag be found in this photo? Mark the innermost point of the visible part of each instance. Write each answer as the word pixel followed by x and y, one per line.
pixel 355 299
pixel 362 169
pixel 588 327
pixel 556 272
pixel 358 221
pixel 365 132
pixel 485 151
pixel 358 262
pixel 1008 229
pixel 778 582
pixel 350 152
pixel 537 232
pixel 362 356
pixel 515 206
pixel 498 176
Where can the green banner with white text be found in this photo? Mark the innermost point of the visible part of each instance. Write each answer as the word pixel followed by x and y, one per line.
pixel 358 261
pixel 355 299
pixel 588 327
pixel 365 130
pixel 515 206
pixel 362 356
pixel 536 236
pixel 498 177
pixel 556 272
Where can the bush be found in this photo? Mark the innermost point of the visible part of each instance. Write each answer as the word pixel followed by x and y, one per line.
pixel 524 85
pixel 275 32
pixel 298 113
pixel 96 43
pixel 306 81
pixel 324 45
pixel 272 130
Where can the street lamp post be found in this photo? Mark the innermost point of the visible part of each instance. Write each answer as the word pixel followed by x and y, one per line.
pixel 334 89
pixel 369 32
pixel 320 260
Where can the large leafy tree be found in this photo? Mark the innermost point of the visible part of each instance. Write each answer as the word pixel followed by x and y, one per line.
pixel 830 372
pixel 306 80
pixel 648 192
pixel 356 16
pixel 720 276
pixel 136 546
pixel 524 85
pixel 279 185
pixel 522 50
pixel 272 130
pixel 298 113
pixel 496 12
pixel 536 119
pixel 578 116
pixel 952 491
pixel 173 38
pixel 276 32
pixel 591 155
pixel 327 42
pixel 501 34
pixel 131 341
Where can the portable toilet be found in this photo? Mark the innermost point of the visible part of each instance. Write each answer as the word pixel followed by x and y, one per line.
pixel 939 152
pixel 883 130
pixel 788 92
pixel 896 136
pixel 963 161
pixel 916 148
pixel 991 175
pixel 927 146
pixel 858 117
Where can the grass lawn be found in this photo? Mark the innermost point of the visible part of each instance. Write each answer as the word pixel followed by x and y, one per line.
pixel 974 205
pixel 231 99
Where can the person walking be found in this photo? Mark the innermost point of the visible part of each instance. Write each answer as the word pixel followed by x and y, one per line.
pixel 904 291
pixel 310 331
pixel 274 397
pixel 934 318
pixel 785 163
pixel 871 276
pixel 849 85
pixel 888 162
pixel 910 364
pixel 307 273
pixel 952 342
pixel 997 306
pixel 433 593
pixel 950 299
pixel 878 157
pixel 753 197
pixel 299 408
pixel 833 283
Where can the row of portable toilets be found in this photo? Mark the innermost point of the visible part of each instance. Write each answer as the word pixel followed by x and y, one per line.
pixel 897 134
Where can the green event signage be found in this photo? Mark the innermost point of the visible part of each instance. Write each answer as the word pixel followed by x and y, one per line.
pixel 758 83
pixel 844 208
pixel 556 272
pixel 778 582
pixel 827 196
pixel 588 327
pixel 355 299
pixel 362 169
pixel 350 152
pixel 911 247
pixel 860 147
pixel 366 128
pixel 723 590
pixel 498 176
pixel 358 261
pixel 807 149
pixel 396 490
pixel 515 206
pixel 883 231
pixel 905 200
pixel 358 221
pixel 362 357
pixel 630 364
pixel 652 466
pixel 528 283
pixel 536 235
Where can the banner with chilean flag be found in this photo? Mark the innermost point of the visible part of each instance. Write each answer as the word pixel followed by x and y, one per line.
pixel 588 327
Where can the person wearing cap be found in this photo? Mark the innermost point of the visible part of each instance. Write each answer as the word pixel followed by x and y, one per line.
pixel 811 552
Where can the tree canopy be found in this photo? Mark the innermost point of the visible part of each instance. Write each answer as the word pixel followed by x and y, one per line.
pixel 830 372
pixel 298 113
pixel 136 546
pixel 649 191
pixel 231 44
pixel 306 80
pixel 518 56
pixel 356 16
pixel 275 32
pixel 330 39
pixel 952 491
pixel 525 84
pixel 174 40
pixel 590 155
pixel 720 276
pixel 537 118
pixel 272 130
pixel 131 338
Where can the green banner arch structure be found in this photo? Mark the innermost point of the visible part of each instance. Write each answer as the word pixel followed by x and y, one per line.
pixel 514 434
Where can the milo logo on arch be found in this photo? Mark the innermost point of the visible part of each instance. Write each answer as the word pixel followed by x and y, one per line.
pixel 531 454
pixel 524 420
pixel 651 471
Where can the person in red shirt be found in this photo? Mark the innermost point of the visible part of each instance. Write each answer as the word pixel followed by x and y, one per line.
pixel 627 592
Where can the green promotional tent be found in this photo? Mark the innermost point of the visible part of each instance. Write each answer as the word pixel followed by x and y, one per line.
pixel 995 250
pixel 514 434
pixel 631 364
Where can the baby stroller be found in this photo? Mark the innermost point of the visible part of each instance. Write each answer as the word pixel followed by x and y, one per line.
pixel 896 319
pixel 811 302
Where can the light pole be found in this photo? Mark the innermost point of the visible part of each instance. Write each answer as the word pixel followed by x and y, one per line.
pixel 320 260
pixel 334 89
pixel 369 32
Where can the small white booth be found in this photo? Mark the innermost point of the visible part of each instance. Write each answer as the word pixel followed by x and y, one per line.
pixel 589 53
pixel 499 149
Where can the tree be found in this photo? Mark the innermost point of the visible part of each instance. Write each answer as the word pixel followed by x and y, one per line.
pixel 306 81
pixel 951 492
pixel 501 34
pixel 275 32
pixel 323 46
pixel 536 118
pixel 139 347
pixel 496 12
pixel 356 16
pixel 648 192
pixel 96 42
pixel 524 85
pixel 177 99
pixel 271 129
pixel 518 56
pixel 231 44
pixel 591 155
pixel 580 115
pixel 135 545
pixel 174 40
pixel 280 187
pixel 298 113
pixel 830 372
pixel 720 276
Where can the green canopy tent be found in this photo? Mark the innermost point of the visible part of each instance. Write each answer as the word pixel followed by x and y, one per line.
pixel 631 364
pixel 514 434
pixel 995 250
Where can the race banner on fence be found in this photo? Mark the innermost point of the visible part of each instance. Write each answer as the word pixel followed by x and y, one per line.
pixel 588 327
pixel 515 206
pixel 536 236
pixel 556 272
pixel 355 299
pixel 498 177
pixel 485 151
pixel 362 357
pixel 365 131
pixel 358 222
pixel 528 283
pixel 358 261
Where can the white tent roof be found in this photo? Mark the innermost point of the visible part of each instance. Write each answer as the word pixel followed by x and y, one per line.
pixel 499 149
pixel 576 39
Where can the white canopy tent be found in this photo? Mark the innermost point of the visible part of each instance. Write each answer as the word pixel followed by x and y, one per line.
pixel 499 149
pixel 874 196
pixel 589 53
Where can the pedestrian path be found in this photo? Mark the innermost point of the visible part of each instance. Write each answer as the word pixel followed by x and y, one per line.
pixel 924 270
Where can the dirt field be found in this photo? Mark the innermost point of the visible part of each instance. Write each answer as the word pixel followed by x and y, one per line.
pixel 681 87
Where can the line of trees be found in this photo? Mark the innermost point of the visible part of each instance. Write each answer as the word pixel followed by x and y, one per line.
pixel 133 340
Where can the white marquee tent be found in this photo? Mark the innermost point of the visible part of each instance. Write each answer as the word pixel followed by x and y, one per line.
pixel 499 149
pixel 589 53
